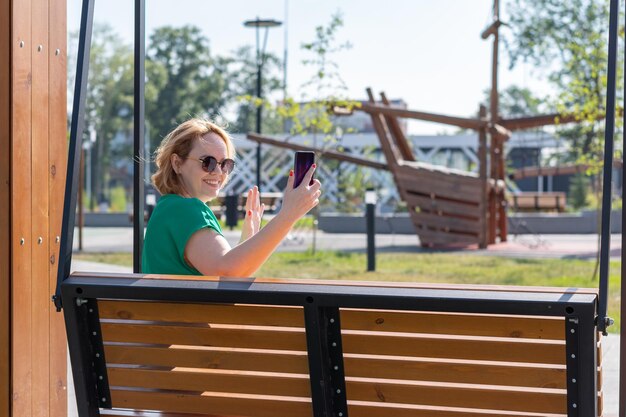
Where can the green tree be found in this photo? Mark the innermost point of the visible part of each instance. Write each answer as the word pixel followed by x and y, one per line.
pixel 242 79
pixel 193 82
pixel 569 40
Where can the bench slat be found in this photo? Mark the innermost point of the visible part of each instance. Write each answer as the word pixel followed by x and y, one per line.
pixel 210 358
pixel 470 372
pixel 276 338
pixel 525 350
pixel 188 379
pixel 456 395
pixel 368 409
pixel 221 404
pixel 202 313
pixel 458 324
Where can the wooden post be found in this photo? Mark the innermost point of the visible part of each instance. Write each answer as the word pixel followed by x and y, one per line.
pixel 482 170
pixel 502 205
pixel 33 144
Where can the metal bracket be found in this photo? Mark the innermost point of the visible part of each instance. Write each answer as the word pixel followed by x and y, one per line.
pixel 335 354
pixel 97 352
pixel 572 342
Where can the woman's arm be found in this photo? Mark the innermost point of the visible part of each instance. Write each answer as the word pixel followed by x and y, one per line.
pixel 211 254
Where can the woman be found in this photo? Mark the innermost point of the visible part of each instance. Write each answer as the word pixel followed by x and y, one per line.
pixel 183 236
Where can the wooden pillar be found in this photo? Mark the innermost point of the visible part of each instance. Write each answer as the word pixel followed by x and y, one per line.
pixel 482 171
pixel 502 205
pixel 33 147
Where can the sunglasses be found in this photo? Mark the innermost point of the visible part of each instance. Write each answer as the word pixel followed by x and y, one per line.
pixel 209 164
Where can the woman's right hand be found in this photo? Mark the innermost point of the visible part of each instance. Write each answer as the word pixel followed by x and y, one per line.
pixel 299 201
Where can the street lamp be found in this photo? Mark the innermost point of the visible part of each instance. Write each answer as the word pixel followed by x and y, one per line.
pixel 260 60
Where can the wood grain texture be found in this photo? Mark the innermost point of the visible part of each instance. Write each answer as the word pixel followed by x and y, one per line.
pixel 5 206
pixel 57 163
pixel 40 278
pixel 21 273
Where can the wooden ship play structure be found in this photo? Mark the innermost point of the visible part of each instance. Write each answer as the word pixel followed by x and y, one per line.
pixel 449 207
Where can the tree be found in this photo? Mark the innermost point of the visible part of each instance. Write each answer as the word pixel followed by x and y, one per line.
pixel 569 40
pixel 242 77
pixel 193 82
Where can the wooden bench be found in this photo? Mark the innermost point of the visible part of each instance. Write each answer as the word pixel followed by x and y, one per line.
pixel 270 199
pixel 534 201
pixel 145 345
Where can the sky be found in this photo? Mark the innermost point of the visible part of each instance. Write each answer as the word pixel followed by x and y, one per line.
pixel 428 53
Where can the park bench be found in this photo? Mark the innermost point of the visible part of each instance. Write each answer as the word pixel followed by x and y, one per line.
pixel 205 346
pixel 270 199
pixel 533 201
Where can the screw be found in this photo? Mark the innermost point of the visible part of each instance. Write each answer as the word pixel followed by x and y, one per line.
pixel 22 241
pixel 21 44
pixel 94 333
pixel 574 380
pixel 100 377
pixel 334 344
pixel 573 356
pixel 336 368
pixel 91 310
pixel 572 331
pixel 57 52
pixel 338 391
pixel 80 301
pixel 104 399
pixel 39 240
pixel 58 239
pixel 574 405
pixel 97 355
pixel 340 414
pixel 39 48
pixel 332 320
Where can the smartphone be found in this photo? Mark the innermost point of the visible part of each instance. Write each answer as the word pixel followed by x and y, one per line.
pixel 302 162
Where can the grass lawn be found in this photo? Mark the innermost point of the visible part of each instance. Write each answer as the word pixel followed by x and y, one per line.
pixel 435 268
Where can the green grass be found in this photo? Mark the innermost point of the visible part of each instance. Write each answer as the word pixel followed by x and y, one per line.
pixel 433 268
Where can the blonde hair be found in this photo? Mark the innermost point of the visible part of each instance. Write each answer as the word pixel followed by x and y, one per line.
pixel 180 141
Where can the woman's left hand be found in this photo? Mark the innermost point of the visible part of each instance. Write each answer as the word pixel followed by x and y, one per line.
pixel 254 214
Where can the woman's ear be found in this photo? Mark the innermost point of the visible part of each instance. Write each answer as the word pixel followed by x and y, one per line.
pixel 175 161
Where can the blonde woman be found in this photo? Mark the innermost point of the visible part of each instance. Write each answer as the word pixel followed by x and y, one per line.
pixel 183 237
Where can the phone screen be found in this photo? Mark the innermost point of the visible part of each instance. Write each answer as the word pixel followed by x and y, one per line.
pixel 302 162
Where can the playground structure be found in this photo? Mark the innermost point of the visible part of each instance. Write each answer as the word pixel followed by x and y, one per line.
pixel 32 344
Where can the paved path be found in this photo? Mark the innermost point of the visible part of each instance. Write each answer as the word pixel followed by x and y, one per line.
pixel 120 239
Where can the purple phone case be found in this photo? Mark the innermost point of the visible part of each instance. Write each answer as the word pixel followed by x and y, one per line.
pixel 302 162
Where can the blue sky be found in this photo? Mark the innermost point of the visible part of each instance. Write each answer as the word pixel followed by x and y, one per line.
pixel 428 53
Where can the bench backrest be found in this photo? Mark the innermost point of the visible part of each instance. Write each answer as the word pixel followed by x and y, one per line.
pixel 259 360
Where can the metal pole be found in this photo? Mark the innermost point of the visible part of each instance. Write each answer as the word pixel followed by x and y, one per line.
pixel 605 243
pixel 139 133
pixel 259 109
pixel 370 219
pixel 76 136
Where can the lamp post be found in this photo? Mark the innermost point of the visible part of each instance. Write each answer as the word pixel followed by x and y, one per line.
pixel 260 60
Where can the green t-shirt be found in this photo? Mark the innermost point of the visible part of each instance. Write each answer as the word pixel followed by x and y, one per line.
pixel 171 224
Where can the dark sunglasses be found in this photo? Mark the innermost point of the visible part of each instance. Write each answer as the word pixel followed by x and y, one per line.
pixel 209 164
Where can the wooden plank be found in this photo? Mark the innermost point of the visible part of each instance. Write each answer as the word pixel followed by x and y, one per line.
pixel 321 152
pixel 136 413
pixel 467 177
pixel 57 158
pixel 392 154
pixel 535 400
pixel 447 223
pixel 454 347
pixel 40 296
pixel 370 409
pixel 5 207
pixel 209 358
pixel 203 313
pixel 276 338
pixel 457 371
pixel 441 237
pixel 397 134
pixel 465 123
pixel 380 284
pixel 439 186
pixel 453 323
pixel 443 206
pixel 216 403
pixel 21 222
pixel 189 379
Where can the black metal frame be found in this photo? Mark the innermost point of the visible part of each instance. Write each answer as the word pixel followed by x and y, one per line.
pixel 323 327
pixel 321 303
